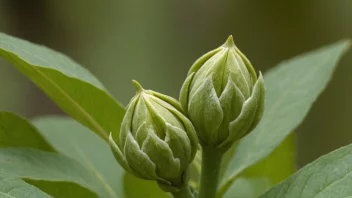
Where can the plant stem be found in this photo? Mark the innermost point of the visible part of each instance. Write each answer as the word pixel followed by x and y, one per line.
pixel 185 192
pixel 209 179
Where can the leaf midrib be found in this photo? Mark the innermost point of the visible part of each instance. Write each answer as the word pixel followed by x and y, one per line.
pixel 7 195
pixel 101 132
pixel 96 173
pixel 330 185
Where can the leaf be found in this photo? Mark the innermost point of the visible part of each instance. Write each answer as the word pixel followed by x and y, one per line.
pixel 138 188
pixel 74 140
pixel 245 187
pixel 18 132
pixel 292 87
pixel 74 89
pixel 59 189
pixel 11 187
pixel 328 176
pixel 33 164
pixel 270 171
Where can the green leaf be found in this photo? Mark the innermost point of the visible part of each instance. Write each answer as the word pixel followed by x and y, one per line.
pixel 74 89
pixel 292 87
pixel 18 132
pixel 59 189
pixel 270 171
pixel 75 141
pixel 329 176
pixel 11 187
pixel 138 188
pixel 245 187
pixel 32 164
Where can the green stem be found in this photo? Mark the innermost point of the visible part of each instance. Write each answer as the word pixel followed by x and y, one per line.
pixel 185 192
pixel 209 179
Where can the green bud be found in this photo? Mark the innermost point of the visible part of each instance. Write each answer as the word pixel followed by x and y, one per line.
pixel 156 141
pixel 222 96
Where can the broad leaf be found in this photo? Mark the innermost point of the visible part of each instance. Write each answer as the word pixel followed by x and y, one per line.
pixel 137 188
pixel 275 168
pixel 36 165
pixel 329 176
pixel 62 189
pixel 292 87
pixel 74 140
pixel 75 90
pixel 12 187
pixel 245 187
pixel 18 132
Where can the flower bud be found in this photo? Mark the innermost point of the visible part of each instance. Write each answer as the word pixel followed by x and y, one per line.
pixel 156 141
pixel 222 96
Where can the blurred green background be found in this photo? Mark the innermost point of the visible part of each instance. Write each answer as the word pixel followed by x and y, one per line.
pixel 156 42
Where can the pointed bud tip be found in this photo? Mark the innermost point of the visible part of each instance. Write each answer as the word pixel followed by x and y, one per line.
pixel 229 42
pixel 260 75
pixel 110 137
pixel 138 86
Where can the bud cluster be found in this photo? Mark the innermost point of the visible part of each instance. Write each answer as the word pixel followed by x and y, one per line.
pixel 221 101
